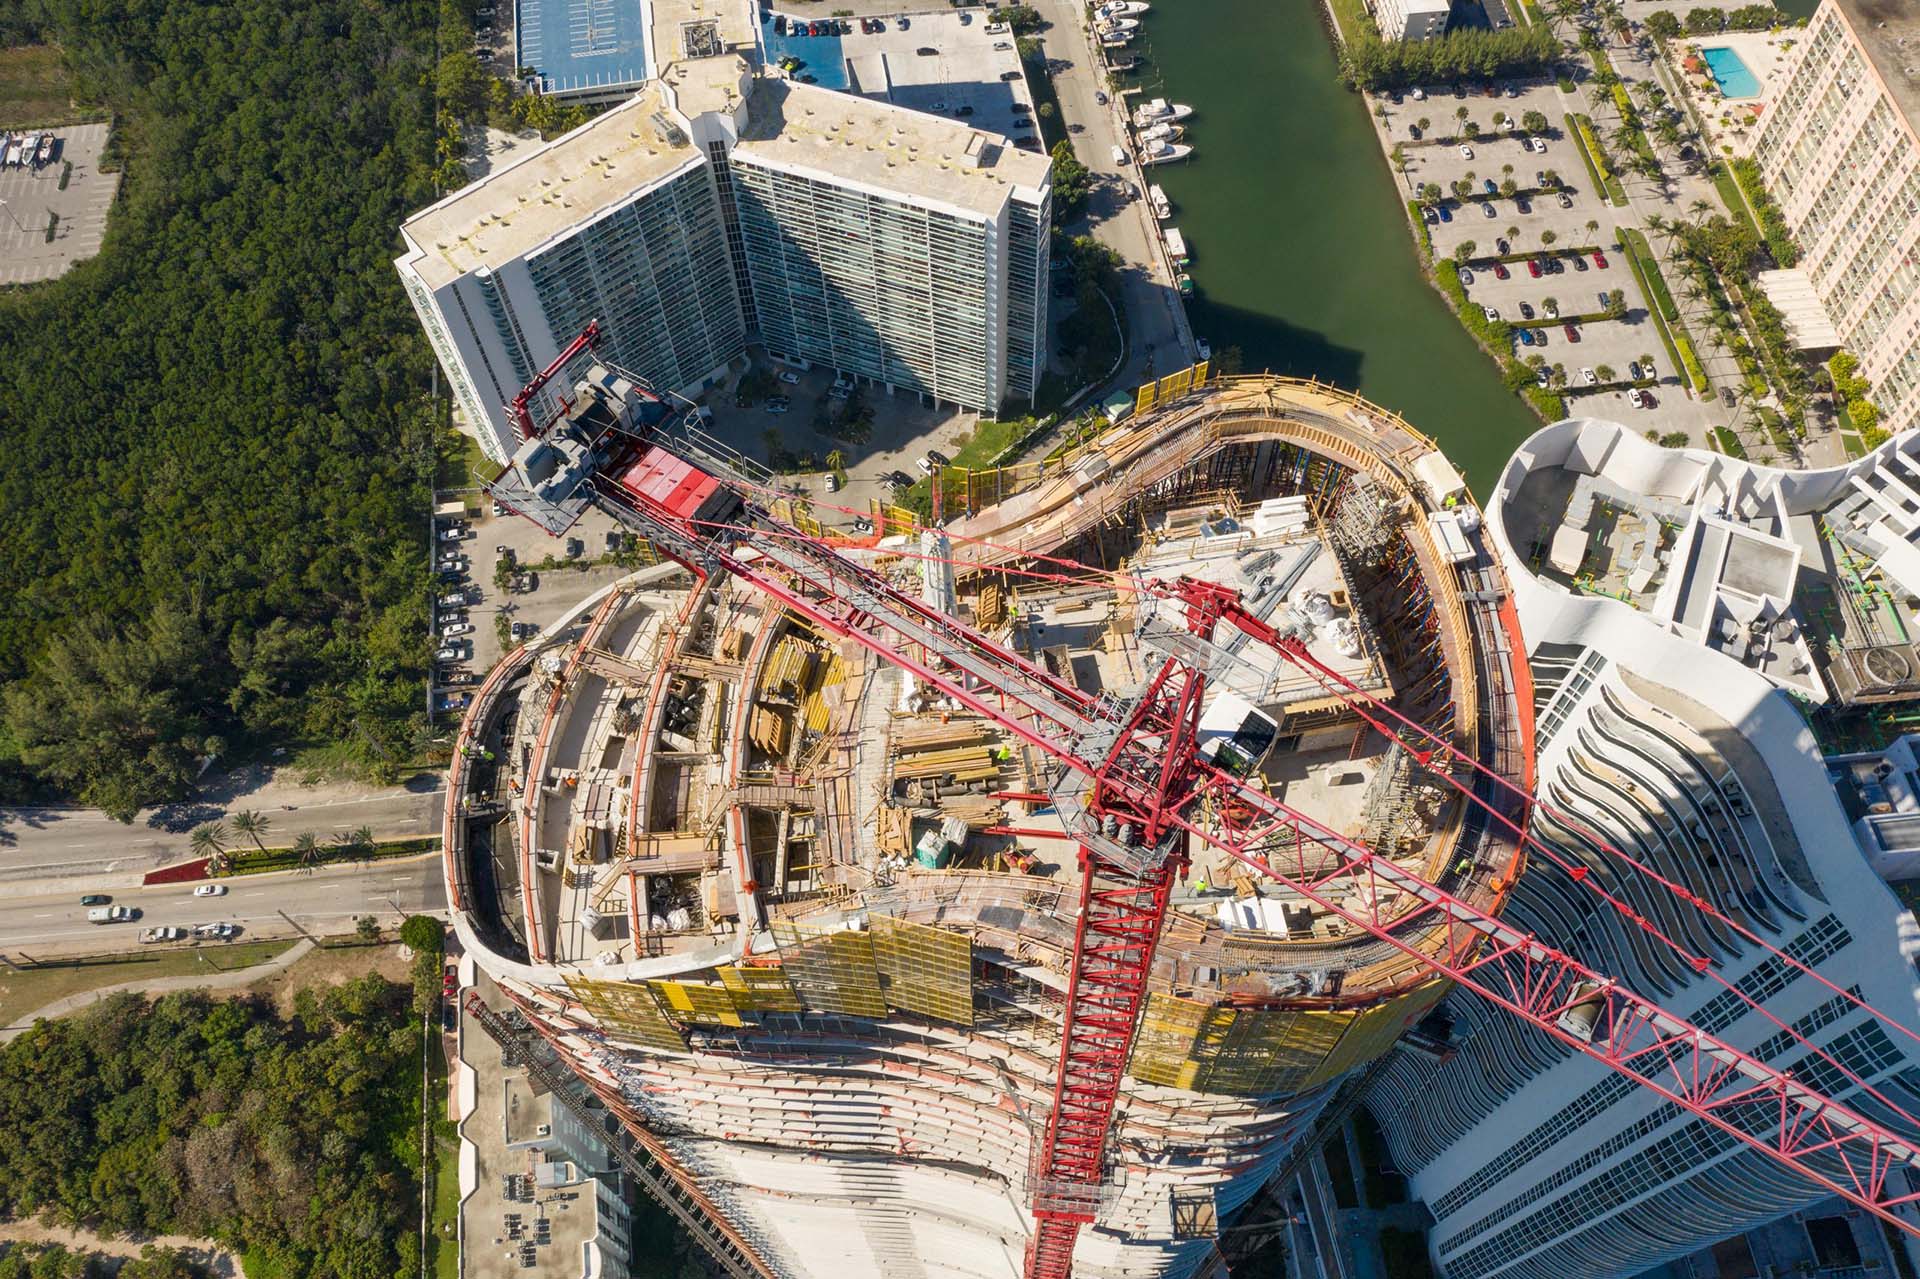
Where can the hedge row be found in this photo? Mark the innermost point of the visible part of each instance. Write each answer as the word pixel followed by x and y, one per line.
pixel 1689 360
pixel 1597 167
pixel 1647 270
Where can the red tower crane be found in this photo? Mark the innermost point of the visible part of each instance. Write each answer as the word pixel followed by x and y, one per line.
pixel 518 411
pixel 1133 789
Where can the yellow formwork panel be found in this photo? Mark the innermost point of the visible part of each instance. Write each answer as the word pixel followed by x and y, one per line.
pixel 1266 1050
pixel 627 1010
pixel 1163 1050
pixel 759 990
pixel 1143 399
pixel 832 970
pixel 697 1003
pixel 924 969
pixel 1373 1031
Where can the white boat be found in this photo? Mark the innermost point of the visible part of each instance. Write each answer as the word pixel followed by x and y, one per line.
pixel 1162 207
pixel 1161 109
pixel 1115 39
pixel 1176 245
pixel 1162 132
pixel 1122 9
pixel 1164 152
pixel 1125 25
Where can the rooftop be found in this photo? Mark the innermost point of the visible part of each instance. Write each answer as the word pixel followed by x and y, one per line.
pixel 515 211
pixel 927 158
pixel 1889 30
pixel 582 46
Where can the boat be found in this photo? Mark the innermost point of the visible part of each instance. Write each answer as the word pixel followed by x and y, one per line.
pixel 1185 283
pixel 1161 109
pixel 1162 207
pixel 46 149
pixel 1164 152
pixel 12 156
pixel 1162 132
pixel 1176 246
pixel 1114 39
pixel 1124 26
pixel 1122 9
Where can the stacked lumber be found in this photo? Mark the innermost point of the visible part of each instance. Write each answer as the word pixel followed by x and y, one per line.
pixel 767 730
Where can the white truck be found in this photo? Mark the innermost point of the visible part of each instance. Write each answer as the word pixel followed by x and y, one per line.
pixel 110 914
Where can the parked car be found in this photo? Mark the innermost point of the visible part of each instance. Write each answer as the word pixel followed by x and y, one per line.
pixel 449 653
pixel 1539 337
pixel 900 479
pixel 1573 334
pixel 1600 259
pixel 1726 396
pixel 1522 205
pixel 1556 267
pixel 1489 186
pixel 1526 310
pixel 221 929
pixel 1526 337
pixel 1101 98
pixel 1635 398
pixel 97 899
pixel 210 890
pixel 1549 310
pixel 1500 271
pixel 789 377
pixel 927 51
pixel 776 406
pixel 903 24
pixel 1466 275
pixel 1500 244
pixel 1446 214
pixel 1466 152
pixel 458 628
pixel 162 933
pixel 1589 377
pixel 453 534
pixel 1604 297
pixel 1533 267
pixel 1579 263
pixel 833 482
pixel 1492 314
pixel 1566 201
pixel 1432 218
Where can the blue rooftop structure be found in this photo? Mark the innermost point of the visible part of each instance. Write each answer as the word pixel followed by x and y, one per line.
pixel 581 47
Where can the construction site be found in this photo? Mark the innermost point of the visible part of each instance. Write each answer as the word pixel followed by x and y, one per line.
pixel 807 925
pixel 1013 895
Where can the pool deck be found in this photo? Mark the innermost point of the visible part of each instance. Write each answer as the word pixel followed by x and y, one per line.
pixel 1735 121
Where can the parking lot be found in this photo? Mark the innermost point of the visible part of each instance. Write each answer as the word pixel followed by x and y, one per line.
pixel 79 213
pixel 1535 223
pixel 557 581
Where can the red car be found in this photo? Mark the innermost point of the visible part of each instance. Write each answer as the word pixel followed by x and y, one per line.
pixel 1573 334
pixel 1600 259
pixel 1500 270
pixel 1533 267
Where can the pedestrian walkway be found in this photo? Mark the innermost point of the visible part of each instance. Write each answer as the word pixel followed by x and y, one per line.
pixel 202 1252
pixel 227 980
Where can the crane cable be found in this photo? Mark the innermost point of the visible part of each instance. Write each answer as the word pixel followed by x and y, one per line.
pixel 1335 683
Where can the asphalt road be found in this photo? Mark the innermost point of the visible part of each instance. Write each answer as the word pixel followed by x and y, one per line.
pixel 83 847
pixel 325 901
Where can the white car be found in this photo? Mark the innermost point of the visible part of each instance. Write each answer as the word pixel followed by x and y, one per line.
pixel 452 562
pixel 458 628
pixel 1419 94
pixel 833 482
pixel 450 653
pixel 213 930
pixel 210 890
pixel 1589 377
pixel 453 534
pixel 1637 398
pixel 1493 314
pixel 1466 152
pixel 789 377
pixel 1549 310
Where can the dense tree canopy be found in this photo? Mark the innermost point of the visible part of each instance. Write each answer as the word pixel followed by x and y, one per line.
pixel 217 439
pixel 52 1261
pixel 1466 54
pixel 295 1140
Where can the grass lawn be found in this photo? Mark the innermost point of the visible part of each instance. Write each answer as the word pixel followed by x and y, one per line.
pixel 990 439
pixel 254 861
pixel 443 1225
pixel 1729 188
pixel 21 992
pixel 33 87
pixel 1351 18
pixel 460 458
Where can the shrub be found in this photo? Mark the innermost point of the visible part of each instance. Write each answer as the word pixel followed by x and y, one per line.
pixel 423 933
pixel 1690 362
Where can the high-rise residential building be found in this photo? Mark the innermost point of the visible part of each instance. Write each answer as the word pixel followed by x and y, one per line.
pixel 616 222
pixel 1411 19
pixel 1839 149
pixel 1665 726
pixel 714 209
pixel 894 246
pixel 744 876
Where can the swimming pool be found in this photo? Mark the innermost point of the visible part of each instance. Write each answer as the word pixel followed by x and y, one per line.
pixel 1730 73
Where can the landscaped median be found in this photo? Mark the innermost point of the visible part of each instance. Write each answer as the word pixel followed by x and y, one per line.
pixel 1580 128
pixel 1666 316
pixel 259 861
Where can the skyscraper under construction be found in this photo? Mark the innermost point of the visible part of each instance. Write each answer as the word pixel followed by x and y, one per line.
pixel 806 925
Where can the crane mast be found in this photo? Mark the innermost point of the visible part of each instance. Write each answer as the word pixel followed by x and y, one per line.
pixel 1134 792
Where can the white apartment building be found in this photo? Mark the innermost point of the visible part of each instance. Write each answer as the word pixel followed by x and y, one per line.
pixel 713 209
pixel 1840 152
pixel 1411 19
pixel 1541 1164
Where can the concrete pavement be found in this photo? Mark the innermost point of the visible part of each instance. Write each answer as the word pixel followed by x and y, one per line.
pixel 324 901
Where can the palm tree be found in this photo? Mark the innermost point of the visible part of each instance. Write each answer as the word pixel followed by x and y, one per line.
pixel 210 841
pixel 1604 372
pixel 835 459
pixel 358 840
pixel 306 849
pixel 1593 226
pixel 1700 208
pixel 251 824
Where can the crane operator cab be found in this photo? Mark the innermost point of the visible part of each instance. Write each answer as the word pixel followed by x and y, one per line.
pixel 1236 735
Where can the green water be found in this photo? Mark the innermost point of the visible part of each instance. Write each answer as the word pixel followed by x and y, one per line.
pixel 1302 256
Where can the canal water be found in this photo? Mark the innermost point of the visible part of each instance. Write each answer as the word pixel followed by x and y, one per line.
pixel 1301 253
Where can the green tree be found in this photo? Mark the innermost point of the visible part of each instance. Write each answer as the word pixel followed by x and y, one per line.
pixel 1463 251
pixel 252 824
pixel 1533 121
pixel 423 934
pixel 209 840
pixel 1604 372
pixel 367 928
pixel 1661 25
pixel 307 850
pixel 1072 182
pixel 1022 18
